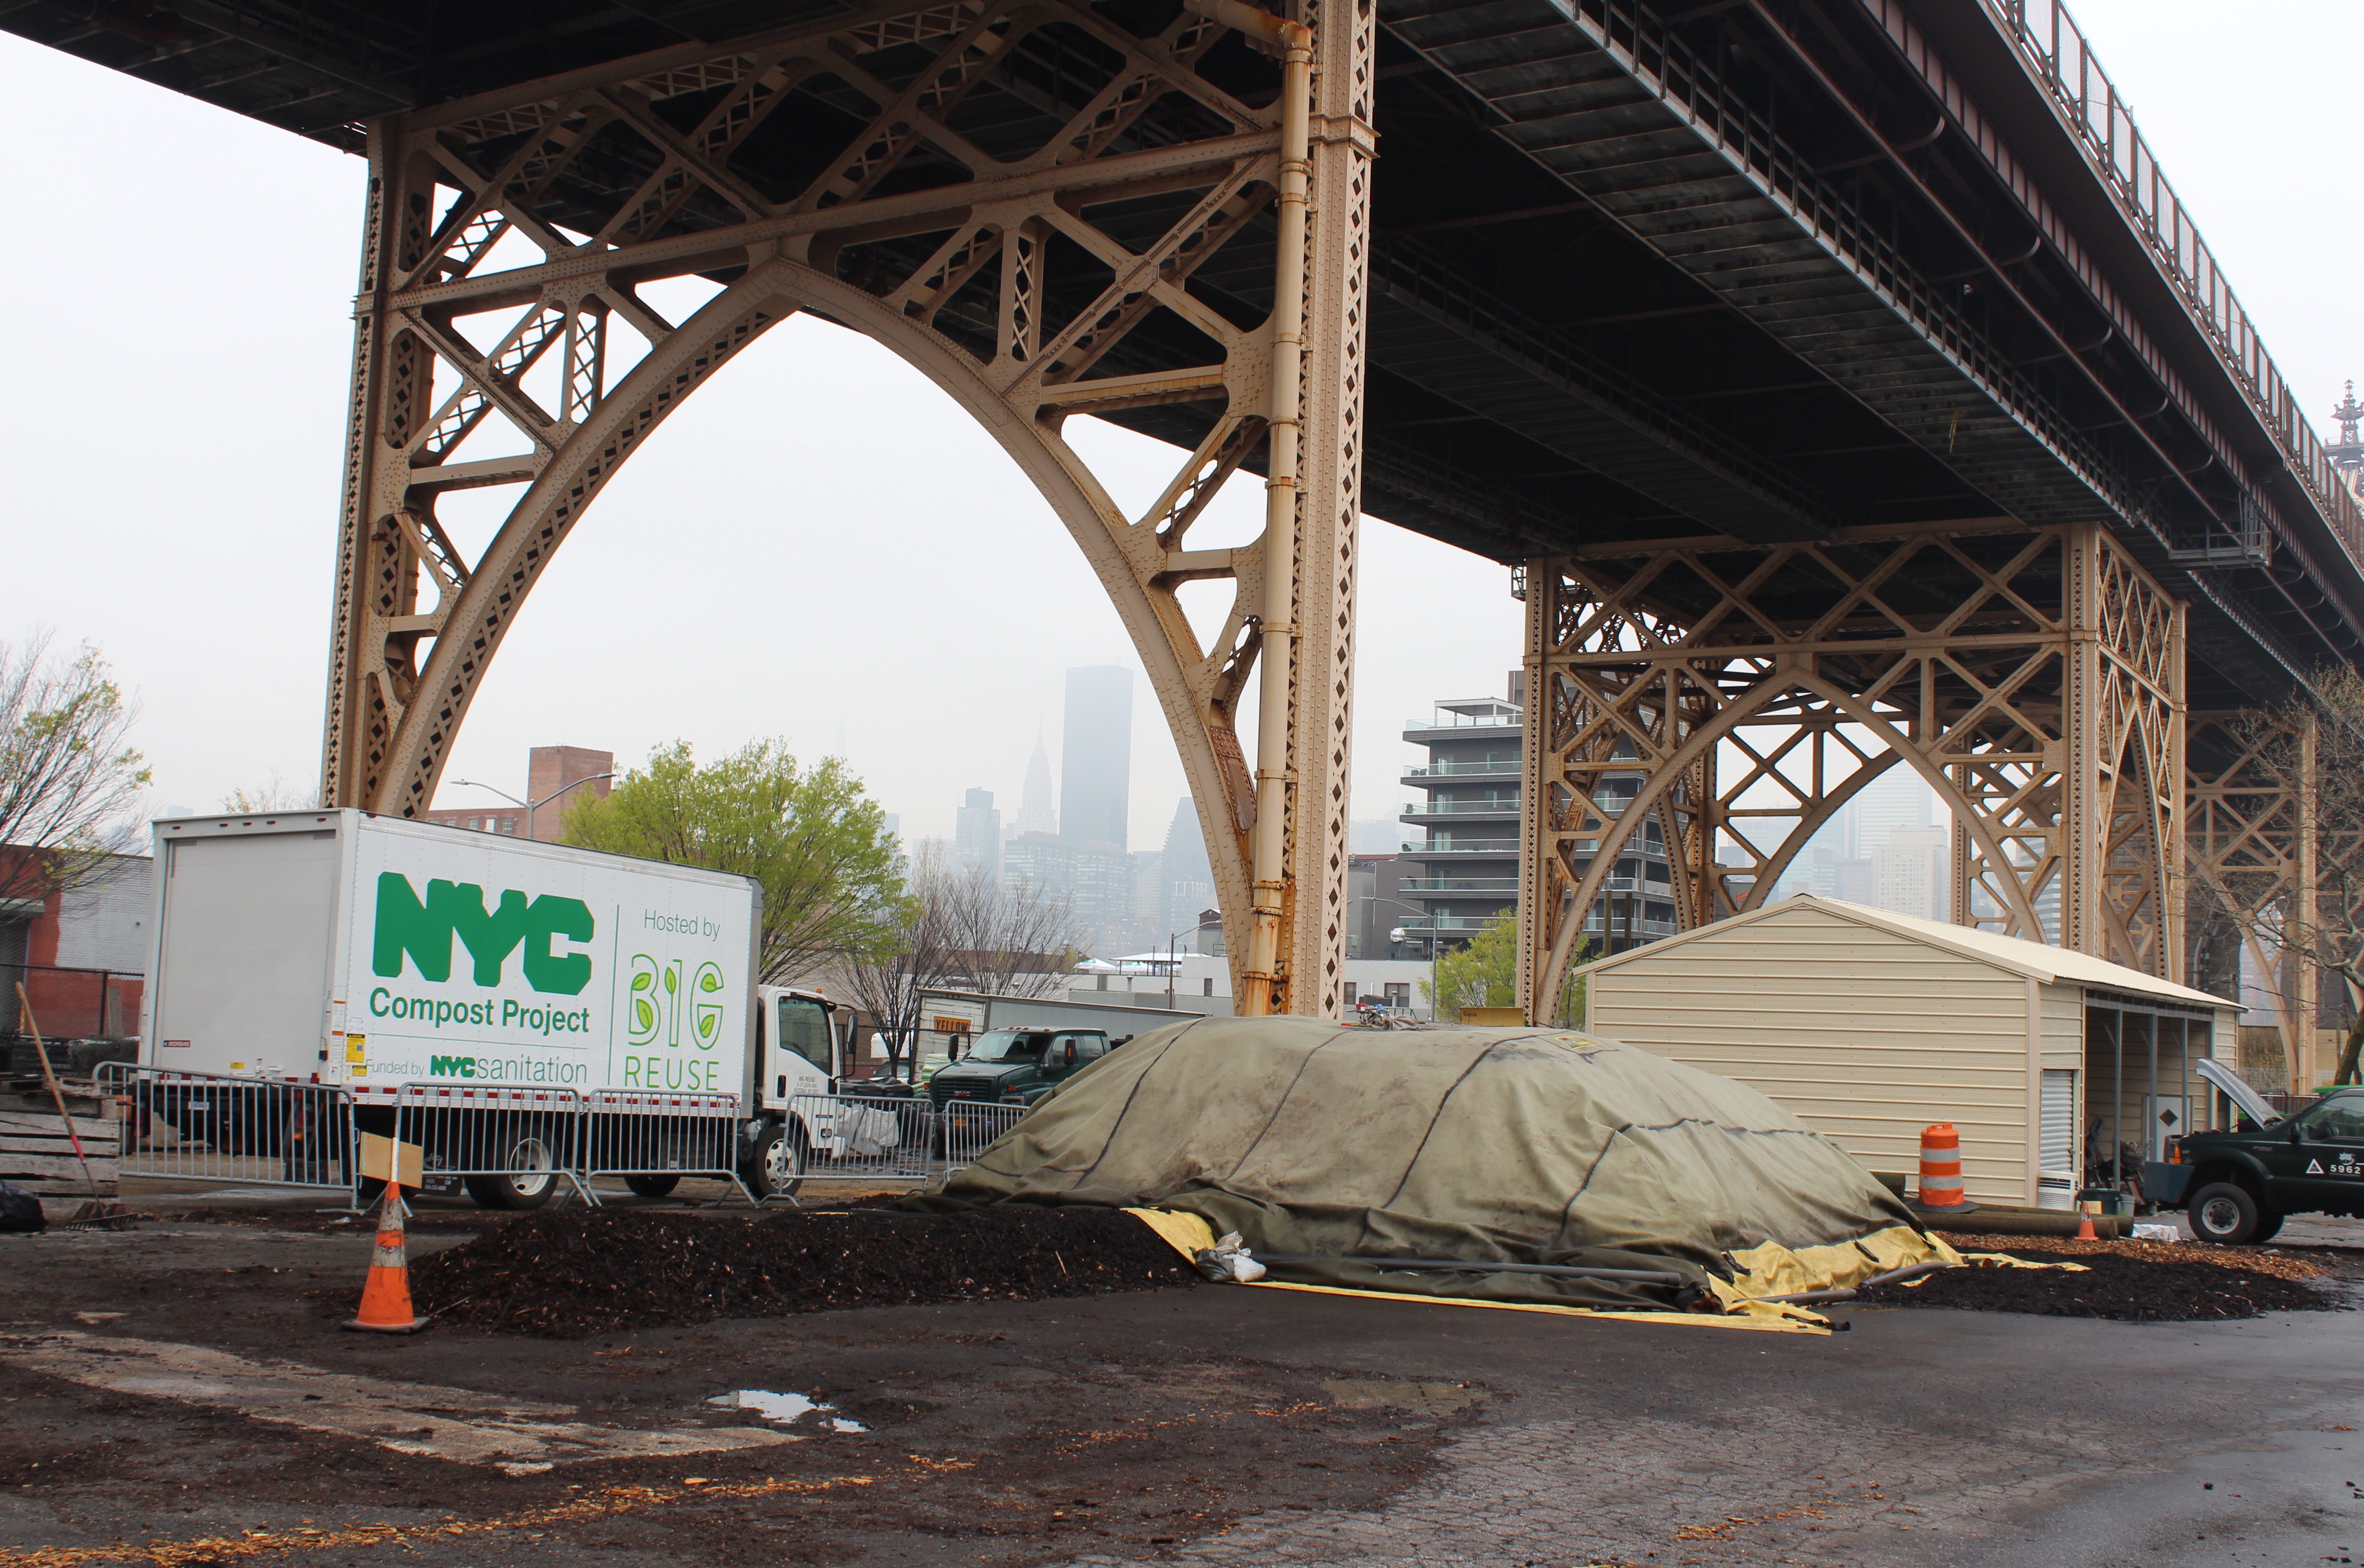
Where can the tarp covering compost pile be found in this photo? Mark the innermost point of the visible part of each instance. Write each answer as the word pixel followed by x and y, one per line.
pixel 1525 1145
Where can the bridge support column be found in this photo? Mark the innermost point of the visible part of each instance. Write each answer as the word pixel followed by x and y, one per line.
pixel 2252 843
pixel 1714 702
pixel 502 341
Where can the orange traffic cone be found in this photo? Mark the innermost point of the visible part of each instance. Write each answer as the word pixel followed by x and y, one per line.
pixel 2085 1223
pixel 385 1297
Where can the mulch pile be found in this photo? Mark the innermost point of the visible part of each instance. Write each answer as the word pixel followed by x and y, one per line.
pixel 573 1273
pixel 2067 1249
pixel 2135 1282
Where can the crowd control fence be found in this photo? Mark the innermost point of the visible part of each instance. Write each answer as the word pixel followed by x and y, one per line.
pixel 511 1145
pixel 216 1128
pixel 654 1139
pixel 508 1146
pixel 867 1137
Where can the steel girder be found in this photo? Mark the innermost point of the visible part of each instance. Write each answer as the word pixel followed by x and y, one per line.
pixel 2253 838
pixel 957 251
pixel 1719 700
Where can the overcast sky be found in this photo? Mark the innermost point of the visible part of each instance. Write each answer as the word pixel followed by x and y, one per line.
pixel 821 546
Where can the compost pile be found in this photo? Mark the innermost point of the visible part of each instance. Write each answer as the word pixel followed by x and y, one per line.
pixel 2124 1284
pixel 574 1273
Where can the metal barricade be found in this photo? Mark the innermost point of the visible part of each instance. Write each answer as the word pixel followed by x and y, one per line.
pixel 881 1137
pixel 966 1127
pixel 509 1146
pixel 652 1139
pixel 219 1127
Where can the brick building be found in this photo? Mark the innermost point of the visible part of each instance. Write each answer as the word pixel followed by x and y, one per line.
pixel 557 776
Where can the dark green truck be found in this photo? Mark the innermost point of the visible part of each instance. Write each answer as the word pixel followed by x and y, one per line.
pixel 2237 1186
pixel 1017 1066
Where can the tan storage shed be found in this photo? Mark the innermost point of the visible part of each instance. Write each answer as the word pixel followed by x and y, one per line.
pixel 1868 1026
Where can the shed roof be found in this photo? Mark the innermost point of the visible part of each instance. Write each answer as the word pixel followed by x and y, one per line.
pixel 2038 961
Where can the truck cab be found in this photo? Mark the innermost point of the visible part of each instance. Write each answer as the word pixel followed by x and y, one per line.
pixel 1018 1066
pixel 811 1112
pixel 2238 1185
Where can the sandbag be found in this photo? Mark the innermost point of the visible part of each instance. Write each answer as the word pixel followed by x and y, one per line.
pixel 20 1211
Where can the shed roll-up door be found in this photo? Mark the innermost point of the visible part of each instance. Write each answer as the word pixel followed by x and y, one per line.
pixel 2056 1142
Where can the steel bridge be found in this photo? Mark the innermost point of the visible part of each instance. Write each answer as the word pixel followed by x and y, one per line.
pixel 1843 375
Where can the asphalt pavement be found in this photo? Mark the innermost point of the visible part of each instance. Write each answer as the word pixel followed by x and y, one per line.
pixel 1216 1425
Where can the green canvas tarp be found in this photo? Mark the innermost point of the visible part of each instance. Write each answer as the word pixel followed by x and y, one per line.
pixel 1498 1145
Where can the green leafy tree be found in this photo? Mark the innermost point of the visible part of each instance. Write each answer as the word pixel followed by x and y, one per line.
pixel 832 875
pixel 1484 973
pixel 70 786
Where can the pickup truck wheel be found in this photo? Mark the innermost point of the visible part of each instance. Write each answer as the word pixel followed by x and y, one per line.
pixel 2222 1213
pixel 776 1169
pixel 532 1178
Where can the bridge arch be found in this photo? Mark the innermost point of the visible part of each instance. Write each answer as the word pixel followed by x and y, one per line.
pixel 889 265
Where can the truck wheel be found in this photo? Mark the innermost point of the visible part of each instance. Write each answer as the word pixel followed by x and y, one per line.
pixel 653 1187
pixel 2222 1213
pixel 776 1169
pixel 532 1178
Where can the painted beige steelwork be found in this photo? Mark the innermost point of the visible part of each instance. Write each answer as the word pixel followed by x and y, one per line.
pixel 549 376
pixel 1726 698
pixel 2253 837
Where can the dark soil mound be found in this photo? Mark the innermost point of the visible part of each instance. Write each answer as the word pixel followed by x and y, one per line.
pixel 577 1272
pixel 2135 1290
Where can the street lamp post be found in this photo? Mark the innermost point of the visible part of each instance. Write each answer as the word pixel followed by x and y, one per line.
pixel 1397 934
pixel 1170 965
pixel 530 807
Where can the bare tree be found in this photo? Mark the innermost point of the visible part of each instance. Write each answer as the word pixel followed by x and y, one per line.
pixel 1012 938
pixel 274 793
pixel 2316 742
pixel 70 788
pixel 886 984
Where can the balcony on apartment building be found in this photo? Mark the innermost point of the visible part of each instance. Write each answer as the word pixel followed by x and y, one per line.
pixel 1506 808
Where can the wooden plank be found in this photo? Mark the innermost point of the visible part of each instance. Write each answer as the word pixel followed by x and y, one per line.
pixel 38 1125
pixel 90 1147
pixel 15 1167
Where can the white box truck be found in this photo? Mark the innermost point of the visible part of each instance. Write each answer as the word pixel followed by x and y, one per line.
pixel 334 957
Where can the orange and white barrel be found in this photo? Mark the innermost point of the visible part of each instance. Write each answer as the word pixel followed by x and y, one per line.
pixel 1941 1168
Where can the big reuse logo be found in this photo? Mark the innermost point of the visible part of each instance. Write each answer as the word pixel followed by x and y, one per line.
pixel 422 932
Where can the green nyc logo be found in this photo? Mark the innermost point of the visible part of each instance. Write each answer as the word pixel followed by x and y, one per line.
pixel 422 932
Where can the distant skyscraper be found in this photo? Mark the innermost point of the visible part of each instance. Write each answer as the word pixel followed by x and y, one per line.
pixel 1095 756
pixel 1036 812
pixel 1183 868
pixel 977 834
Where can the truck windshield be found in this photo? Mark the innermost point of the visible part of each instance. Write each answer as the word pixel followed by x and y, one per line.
pixel 804 1028
pixel 1008 1045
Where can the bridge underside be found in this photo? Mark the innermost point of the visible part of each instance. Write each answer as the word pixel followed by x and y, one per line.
pixel 1849 398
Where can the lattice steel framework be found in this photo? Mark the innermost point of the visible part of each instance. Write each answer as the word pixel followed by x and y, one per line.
pixel 550 376
pixel 2252 836
pixel 1728 698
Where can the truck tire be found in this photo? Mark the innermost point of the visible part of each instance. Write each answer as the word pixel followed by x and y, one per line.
pixel 532 1179
pixel 653 1187
pixel 777 1168
pixel 2222 1213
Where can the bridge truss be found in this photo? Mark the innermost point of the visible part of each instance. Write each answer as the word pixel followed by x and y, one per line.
pixel 548 376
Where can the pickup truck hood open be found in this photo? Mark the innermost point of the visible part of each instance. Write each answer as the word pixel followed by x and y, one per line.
pixel 2252 1103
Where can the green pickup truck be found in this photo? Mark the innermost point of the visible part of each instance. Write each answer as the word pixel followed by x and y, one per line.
pixel 2237 1186
pixel 1017 1066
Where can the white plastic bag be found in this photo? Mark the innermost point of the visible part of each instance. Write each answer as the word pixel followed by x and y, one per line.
pixel 1227 1261
pixel 2157 1233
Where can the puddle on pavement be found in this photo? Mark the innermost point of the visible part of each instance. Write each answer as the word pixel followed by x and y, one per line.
pixel 784 1408
pixel 1423 1398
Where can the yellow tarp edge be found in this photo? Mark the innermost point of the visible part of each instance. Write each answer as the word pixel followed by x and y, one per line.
pixel 1189 1235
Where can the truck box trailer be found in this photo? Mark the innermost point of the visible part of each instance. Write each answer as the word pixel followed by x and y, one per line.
pixel 368 958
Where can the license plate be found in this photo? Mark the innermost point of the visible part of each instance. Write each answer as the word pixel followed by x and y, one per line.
pixel 201 1105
